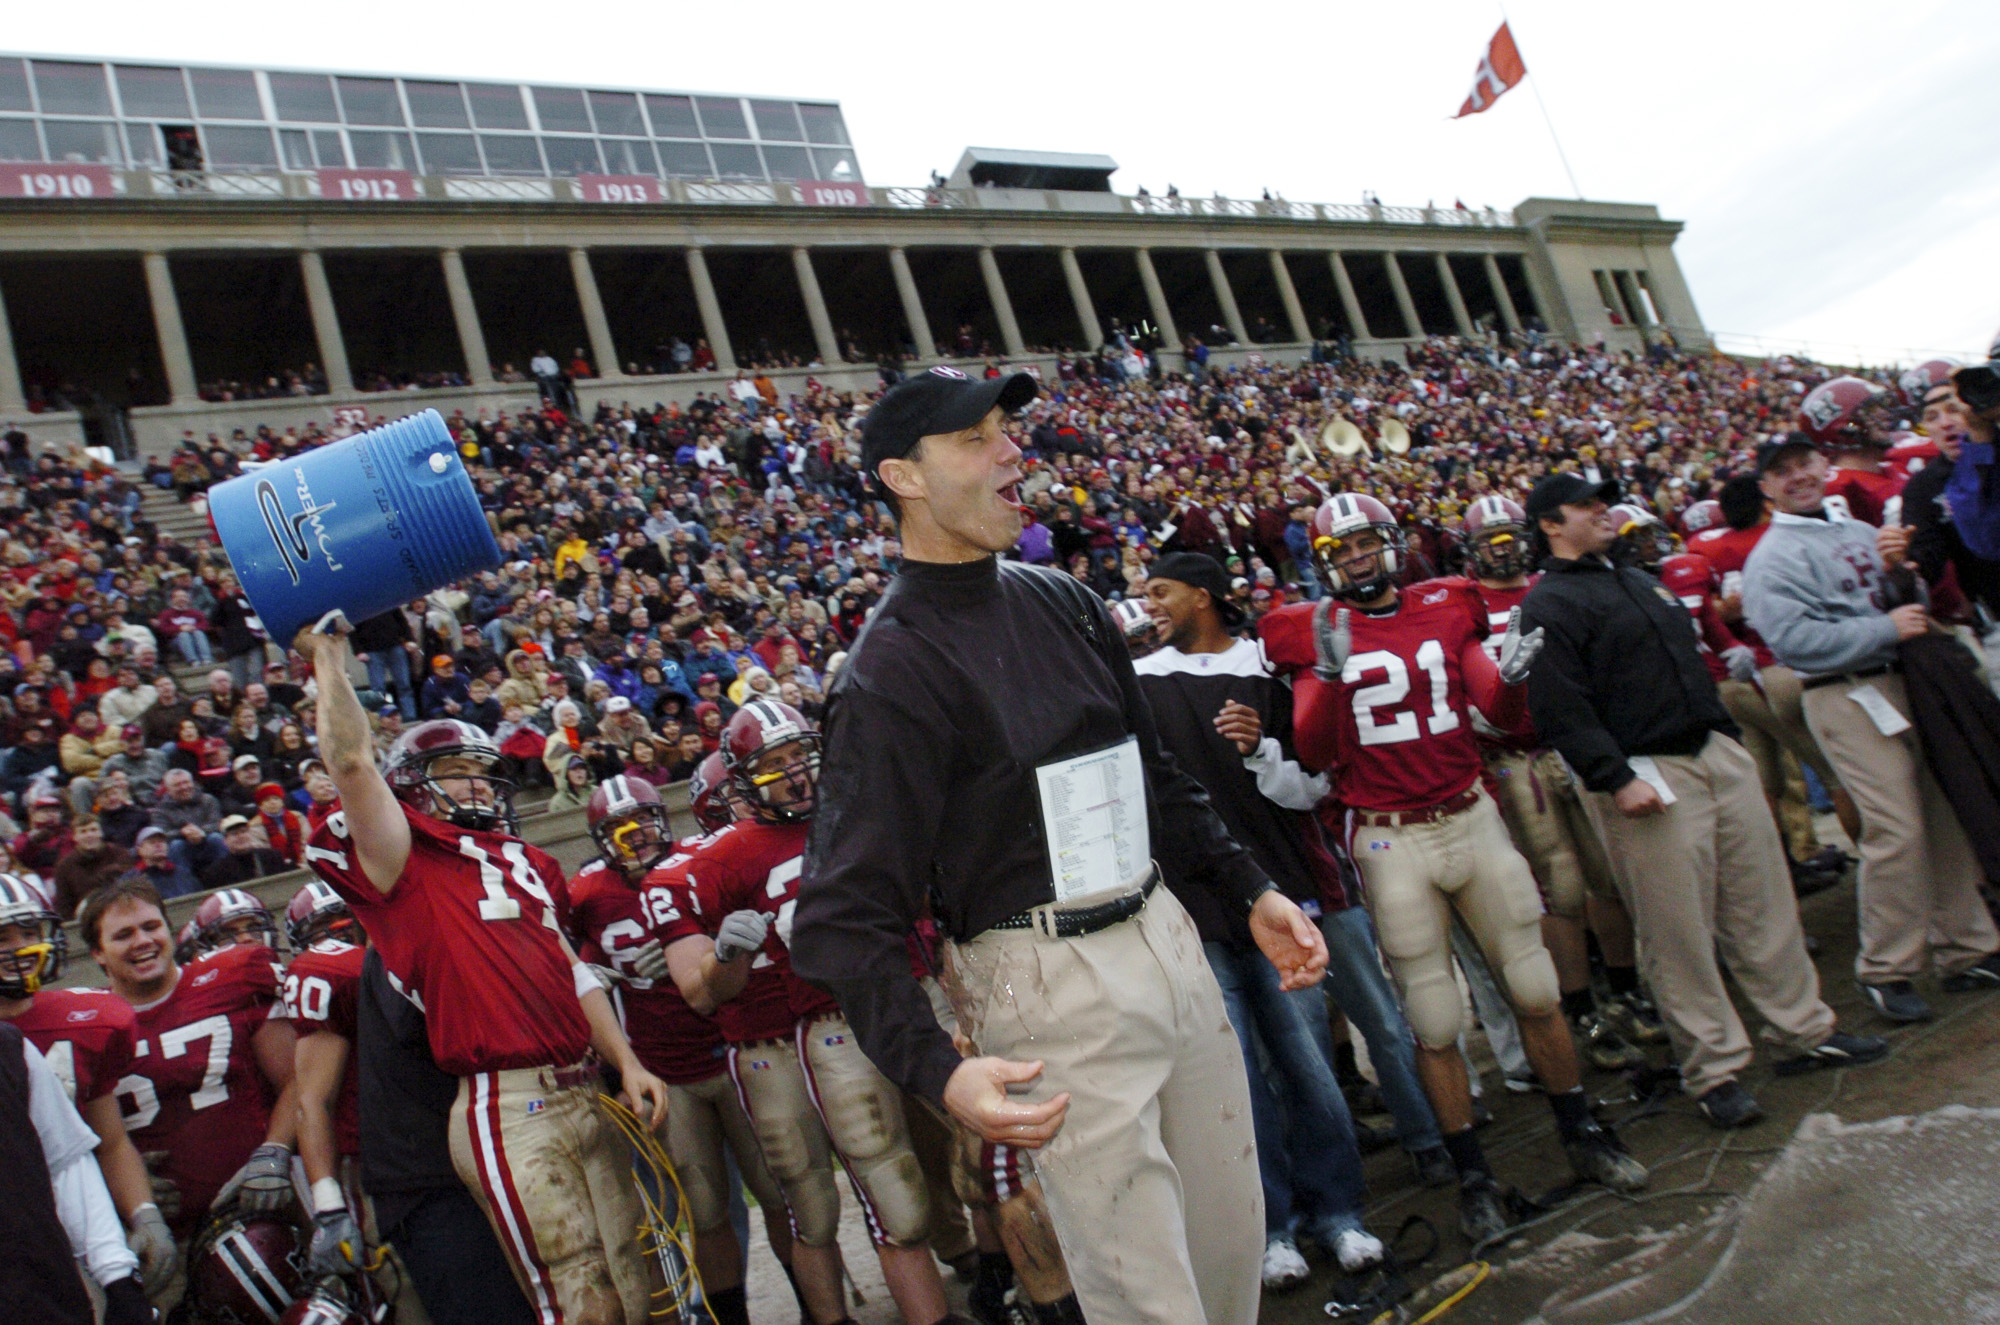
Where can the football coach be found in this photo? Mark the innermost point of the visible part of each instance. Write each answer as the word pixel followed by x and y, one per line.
pixel 990 761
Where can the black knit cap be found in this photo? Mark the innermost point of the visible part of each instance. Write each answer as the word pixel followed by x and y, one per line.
pixel 937 400
pixel 1198 570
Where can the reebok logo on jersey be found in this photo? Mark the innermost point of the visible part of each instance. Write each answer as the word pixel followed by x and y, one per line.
pixel 536 1106
pixel 83 1014
pixel 1437 597
pixel 203 979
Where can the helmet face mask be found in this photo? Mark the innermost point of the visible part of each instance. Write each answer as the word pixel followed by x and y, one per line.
pixel 317 913
pixel 465 795
pixel 233 916
pixel 1642 540
pixel 1496 539
pixel 772 758
pixel 31 955
pixel 1357 547
pixel 629 824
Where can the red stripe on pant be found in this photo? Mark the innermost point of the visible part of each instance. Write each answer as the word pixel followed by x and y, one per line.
pixel 743 1099
pixel 876 1234
pixel 496 1178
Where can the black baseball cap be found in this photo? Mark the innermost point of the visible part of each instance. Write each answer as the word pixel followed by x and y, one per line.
pixel 937 400
pixel 1559 490
pixel 1770 453
pixel 1198 570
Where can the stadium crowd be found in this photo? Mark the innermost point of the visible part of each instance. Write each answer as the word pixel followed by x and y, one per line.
pixel 681 586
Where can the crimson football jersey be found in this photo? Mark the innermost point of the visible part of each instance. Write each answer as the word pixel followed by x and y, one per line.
pixel 1727 549
pixel 1866 493
pixel 87 1036
pixel 749 866
pixel 322 986
pixel 1910 455
pixel 608 918
pixel 194 1089
pixel 473 933
pixel 1692 579
pixel 1491 607
pixel 1395 732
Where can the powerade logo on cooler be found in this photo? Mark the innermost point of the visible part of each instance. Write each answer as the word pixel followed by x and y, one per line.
pixel 288 531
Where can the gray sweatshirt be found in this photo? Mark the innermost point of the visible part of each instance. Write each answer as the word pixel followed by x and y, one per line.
pixel 1809 588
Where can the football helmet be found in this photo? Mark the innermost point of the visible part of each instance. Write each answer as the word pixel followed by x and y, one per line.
pixel 409 774
pixel 1702 515
pixel 1642 540
pixel 218 921
pixel 24 970
pixel 186 943
pixel 1913 384
pixel 317 912
pixel 1495 530
pixel 1846 412
pixel 328 1304
pixel 245 1269
pixel 628 821
pixel 708 795
pixel 1335 524
pixel 760 726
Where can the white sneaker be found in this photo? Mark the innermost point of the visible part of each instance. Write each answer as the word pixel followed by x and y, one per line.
pixel 1356 1249
pixel 1284 1268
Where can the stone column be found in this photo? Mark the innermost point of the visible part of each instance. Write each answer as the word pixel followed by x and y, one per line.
pixel 1231 316
pixel 1628 285
pixel 913 304
pixel 1350 303
pixel 13 396
pixel 471 338
pixel 815 301
pixel 1086 312
pixel 1452 295
pixel 181 388
pixel 1156 299
pixel 602 348
pixel 326 323
pixel 1509 316
pixel 1003 307
pixel 1288 294
pixel 712 325
pixel 1407 306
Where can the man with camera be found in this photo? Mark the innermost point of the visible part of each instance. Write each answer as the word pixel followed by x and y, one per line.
pixel 1815 589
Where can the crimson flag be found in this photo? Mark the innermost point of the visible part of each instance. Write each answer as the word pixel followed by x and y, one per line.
pixel 1499 70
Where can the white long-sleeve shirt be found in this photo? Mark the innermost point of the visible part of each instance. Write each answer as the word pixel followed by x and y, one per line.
pixel 83 1203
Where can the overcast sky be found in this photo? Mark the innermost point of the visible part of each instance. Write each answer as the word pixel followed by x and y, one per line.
pixel 1837 164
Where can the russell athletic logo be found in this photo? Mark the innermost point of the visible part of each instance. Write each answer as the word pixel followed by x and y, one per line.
pixel 288 531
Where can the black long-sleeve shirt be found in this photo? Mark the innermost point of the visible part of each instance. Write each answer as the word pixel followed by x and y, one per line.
pixel 1620 673
pixel 968 678
pixel 1934 540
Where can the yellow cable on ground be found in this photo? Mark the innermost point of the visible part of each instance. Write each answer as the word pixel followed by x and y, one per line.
pixel 1479 1270
pixel 665 1231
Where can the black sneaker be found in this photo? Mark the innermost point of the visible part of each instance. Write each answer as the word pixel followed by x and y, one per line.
pixel 1434 1167
pixel 1482 1208
pixel 1839 1050
pixel 1897 1000
pixel 1729 1105
pixel 1634 1017
pixel 1597 1155
pixel 1982 974
pixel 1602 1046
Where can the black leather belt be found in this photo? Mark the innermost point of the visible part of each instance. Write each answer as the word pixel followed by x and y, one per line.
pixel 1859 674
pixel 1075 922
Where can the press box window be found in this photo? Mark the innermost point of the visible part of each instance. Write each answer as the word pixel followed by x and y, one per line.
pixel 146 90
pixel 304 97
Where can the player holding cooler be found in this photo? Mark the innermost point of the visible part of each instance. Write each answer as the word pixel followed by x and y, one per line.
pixel 468 920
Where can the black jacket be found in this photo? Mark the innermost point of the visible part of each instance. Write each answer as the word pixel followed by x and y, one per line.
pixel 1934 540
pixel 1620 672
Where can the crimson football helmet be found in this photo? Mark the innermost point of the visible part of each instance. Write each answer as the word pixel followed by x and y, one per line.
pixel 761 726
pixel 1913 384
pixel 1495 530
pixel 409 775
pixel 1846 412
pixel 221 919
pixel 245 1269
pixel 628 821
pixel 317 912
pixel 1702 515
pixel 187 943
pixel 708 795
pixel 25 969
pixel 1642 540
pixel 1335 524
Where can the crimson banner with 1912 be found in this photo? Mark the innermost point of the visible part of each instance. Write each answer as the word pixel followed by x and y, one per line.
pixel 368 186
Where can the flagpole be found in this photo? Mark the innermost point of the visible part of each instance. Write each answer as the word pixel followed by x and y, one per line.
pixel 1547 119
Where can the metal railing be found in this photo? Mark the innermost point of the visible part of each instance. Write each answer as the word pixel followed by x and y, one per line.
pixel 304 185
